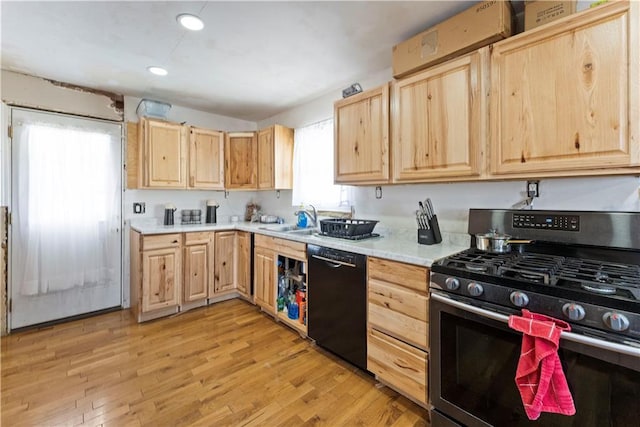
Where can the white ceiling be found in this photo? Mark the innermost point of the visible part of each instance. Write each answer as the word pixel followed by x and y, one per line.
pixel 251 61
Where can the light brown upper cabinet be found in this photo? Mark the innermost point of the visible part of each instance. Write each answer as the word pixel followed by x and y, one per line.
pixel 159 153
pixel 439 121
pixel 241 160
pixel 361 138
pixel 565 97
pixel 206 159
pixel 275 158
pixel 163 152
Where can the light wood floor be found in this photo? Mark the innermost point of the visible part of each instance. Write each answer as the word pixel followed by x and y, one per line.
pixel 226 364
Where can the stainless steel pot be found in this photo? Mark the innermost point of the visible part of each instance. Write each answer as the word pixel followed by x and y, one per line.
pixel 496 243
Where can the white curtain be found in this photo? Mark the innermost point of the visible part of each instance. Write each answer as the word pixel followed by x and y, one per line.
pixel 313 168
pixel 67 215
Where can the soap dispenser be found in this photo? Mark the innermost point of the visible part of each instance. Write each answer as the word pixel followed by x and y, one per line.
pixel 302 217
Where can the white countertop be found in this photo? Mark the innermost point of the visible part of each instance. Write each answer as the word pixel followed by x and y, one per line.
pixel 397 245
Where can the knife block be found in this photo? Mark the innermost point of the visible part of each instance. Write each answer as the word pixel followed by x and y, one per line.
pixel 430 236
pixel 425 236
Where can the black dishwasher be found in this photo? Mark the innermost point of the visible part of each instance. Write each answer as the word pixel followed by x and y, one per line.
pixel 337 303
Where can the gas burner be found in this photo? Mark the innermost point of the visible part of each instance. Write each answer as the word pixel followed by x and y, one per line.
pixel 543 277
pixel 599 289
pixel 565 265
pixel 530 276
pixel 603 278
pixel 476 267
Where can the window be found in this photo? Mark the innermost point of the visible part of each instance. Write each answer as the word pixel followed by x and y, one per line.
pixel 313 169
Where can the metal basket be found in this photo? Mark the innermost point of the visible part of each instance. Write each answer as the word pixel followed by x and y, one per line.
pixel 341 227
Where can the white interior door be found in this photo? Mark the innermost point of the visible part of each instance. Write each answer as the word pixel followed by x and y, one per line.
pixel 66 207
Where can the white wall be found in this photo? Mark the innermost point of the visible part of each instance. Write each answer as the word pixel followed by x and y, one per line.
pixel 398 203
pixel 233 204
pixel 183 199
pixel 453 200
pixel 18 89
pixel 36 92
pixel 191 117
pixel 322 107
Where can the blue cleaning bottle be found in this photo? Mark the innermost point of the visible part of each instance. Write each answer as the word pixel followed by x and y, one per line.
pixel 302 218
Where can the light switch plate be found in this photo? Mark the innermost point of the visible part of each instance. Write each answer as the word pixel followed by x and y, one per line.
pixel 138 207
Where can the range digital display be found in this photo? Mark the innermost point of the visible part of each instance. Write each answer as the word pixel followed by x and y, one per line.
pixel 549 222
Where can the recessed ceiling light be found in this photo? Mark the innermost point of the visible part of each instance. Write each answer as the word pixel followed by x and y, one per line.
pixel 190 22
pixel 158 71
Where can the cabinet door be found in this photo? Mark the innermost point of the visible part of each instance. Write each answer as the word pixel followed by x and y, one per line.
pixel 403 367
pixel 243 262
pixel 161 284
pixel 265 278
pixel 241 160
pixel 565 97
pixel 164 154
pixel 266 159
pixel 206 159
pixel 361 149
pixel 275 158
pixel 283 158
pixel 196 273
pixel 439 121
pixel 223 277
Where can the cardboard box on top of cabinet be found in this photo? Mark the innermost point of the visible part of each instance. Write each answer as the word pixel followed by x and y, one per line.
pixel 539 12
pixel 480 25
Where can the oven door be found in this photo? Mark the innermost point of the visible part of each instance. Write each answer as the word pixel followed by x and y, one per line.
pixel 474 355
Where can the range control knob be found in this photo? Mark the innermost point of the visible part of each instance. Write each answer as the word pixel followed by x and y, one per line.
pixel 475 289
pixel 519 299
pixel 452 283
pixel 573 311
pixel 615 321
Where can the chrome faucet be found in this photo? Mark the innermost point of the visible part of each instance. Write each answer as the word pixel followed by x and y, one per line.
pixel 312 215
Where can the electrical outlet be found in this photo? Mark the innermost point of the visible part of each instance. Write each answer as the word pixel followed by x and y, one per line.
pixel 532 189
pixel 138 207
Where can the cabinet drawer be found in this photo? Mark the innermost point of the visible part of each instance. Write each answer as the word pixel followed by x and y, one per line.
pixel 158 241
pixel 409 276
pixel 290 248
pixel 400 312
pixel 197 238
pixel 398 364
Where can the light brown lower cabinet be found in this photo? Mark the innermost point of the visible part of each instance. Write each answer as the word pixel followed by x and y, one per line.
pixel 179 271
pixel 398 364
pixel 156 275
pixel 398 326
pixel 243 263
pixel 197 261
pixel 265 273
pixel 269 254
pixel 224 260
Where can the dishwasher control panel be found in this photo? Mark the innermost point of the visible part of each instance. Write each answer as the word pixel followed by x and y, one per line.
pixel 336 255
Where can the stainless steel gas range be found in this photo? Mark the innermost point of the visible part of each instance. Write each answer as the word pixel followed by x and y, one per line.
pixel 580 267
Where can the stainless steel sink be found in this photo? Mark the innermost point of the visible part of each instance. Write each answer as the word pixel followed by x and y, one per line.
pixel 304 231
pixel 291 229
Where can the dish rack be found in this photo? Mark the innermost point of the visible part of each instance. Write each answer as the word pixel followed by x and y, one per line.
pixel 348 228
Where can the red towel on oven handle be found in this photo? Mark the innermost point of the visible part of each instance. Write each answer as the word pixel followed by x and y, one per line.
pixel 539 376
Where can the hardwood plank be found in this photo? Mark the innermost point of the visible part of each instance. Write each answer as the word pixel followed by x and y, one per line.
pixel 224 364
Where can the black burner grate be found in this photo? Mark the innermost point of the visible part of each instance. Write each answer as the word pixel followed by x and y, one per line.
pixel 597 277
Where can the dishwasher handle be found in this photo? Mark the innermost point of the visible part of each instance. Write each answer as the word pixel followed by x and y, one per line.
pixel 333 263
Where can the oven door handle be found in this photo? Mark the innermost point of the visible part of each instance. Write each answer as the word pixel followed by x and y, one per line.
pixel 569 336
